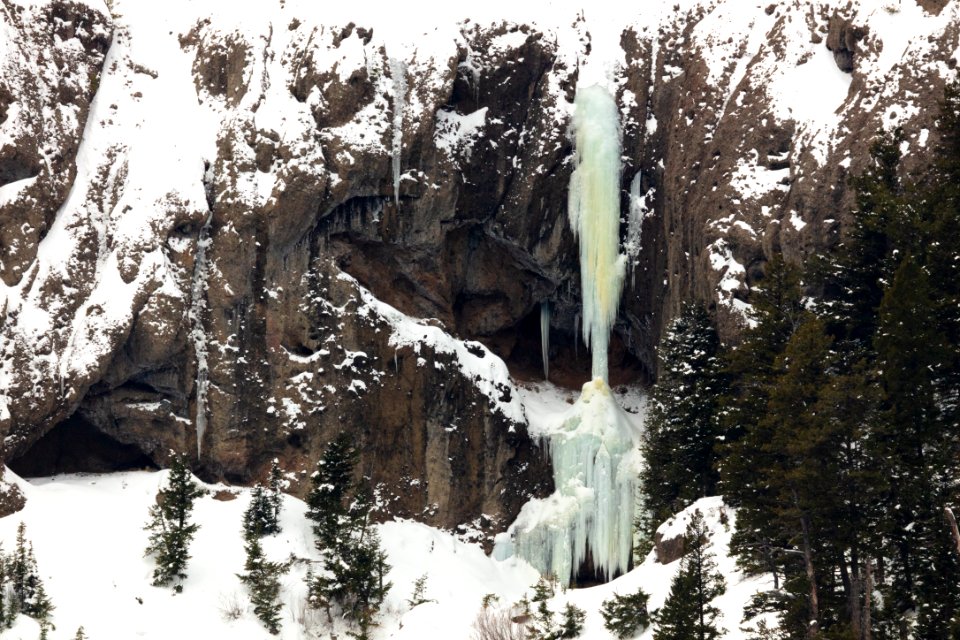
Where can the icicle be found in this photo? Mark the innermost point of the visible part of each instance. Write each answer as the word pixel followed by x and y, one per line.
pixel 576 336
pixel 595 465
pixel 398 73
pixel 545 338
pixel 638 211
pixel 198 292
pixel 594 212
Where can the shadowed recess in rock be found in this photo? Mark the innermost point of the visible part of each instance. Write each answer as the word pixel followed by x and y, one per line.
pixel 76 446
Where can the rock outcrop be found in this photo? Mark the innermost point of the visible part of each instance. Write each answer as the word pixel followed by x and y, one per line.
pixel 233 261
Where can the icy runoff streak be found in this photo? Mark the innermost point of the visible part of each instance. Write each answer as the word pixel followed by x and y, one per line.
pixel 398 75
pixel 593 451
pixel 198 297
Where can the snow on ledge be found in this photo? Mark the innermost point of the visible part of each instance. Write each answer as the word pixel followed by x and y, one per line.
pixel 477 363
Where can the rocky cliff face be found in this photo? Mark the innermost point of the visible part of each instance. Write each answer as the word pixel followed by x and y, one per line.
pixel 233 261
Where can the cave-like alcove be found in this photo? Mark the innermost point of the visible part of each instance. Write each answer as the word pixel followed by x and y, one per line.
pixel 570 362
pixel 76 446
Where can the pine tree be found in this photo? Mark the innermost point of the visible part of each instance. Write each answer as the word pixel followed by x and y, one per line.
pixel 688 613
pixel 81 634
pixel 275 485
pixel 625 616
pixel 353 564
pixel 366 566
pixel 751 370
pixel 682 427
pixel 571 624
pixel 542 625
pixel 262 578
pixel 40 609
pixel 259 519
pixel 28 593
pixel 170 529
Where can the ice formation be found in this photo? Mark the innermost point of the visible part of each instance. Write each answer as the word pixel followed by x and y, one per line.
pixel 591 512
pixel 545 338
pixel 593 452
pixel 197 334
pixel 594 212
pixel 398 74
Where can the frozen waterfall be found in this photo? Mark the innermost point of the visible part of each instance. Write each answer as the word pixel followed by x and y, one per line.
pixel 398 74
pixel 198 293
pixel 594 212
pixel 593 450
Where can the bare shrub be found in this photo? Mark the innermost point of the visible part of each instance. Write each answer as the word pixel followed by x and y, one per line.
pixel 231 606
pixel 494 623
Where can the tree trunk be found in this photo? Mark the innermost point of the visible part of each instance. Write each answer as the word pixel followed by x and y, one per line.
pixel 814 629
pixel 868 600
pixel 851 586
pixel 948 512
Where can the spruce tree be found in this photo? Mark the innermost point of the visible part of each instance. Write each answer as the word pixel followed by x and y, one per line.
pixel 625 616
pixel 170 528
pixel 353 565
pixel 275 485
pixel 258 519
pixel 688 613
pixel 262 578
pixel 571 622
pixel 682 426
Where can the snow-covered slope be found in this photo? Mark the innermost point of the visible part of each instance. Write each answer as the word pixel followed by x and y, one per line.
pixel 88 539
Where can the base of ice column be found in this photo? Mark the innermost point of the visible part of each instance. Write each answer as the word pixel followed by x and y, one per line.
pixel 595 465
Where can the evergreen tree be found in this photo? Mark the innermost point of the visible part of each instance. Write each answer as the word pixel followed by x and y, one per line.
pixel 682 428
pixel 688 613
pixel 571 624
pixel 275 485
pixel 263 514
pixel 259 518
pixel 366 566
pixel 353 565
pixel 81 634
pixel 542 625
pixel 262 578
pixel 170 528
pixel 751 368
pixel 625 616
pixel 28 594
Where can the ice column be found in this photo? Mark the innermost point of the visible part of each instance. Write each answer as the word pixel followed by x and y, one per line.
pixel 398 73
pixel 594 212
pixel 198 336
pixel 593 450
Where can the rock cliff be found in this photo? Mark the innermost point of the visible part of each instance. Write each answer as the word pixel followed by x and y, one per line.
pixel 277 227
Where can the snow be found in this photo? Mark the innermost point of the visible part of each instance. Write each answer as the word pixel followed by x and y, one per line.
pixel 457 132
pixel 106 586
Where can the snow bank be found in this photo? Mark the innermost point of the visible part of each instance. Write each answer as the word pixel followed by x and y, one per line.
pixel 88 538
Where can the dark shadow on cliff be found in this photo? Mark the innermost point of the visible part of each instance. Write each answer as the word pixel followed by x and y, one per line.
pixel 76 446
pixel 519 346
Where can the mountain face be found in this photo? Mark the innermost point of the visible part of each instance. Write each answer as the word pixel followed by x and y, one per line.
pixel 221 233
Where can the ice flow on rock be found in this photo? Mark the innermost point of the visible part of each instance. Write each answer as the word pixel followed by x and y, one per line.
pixel 593 452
